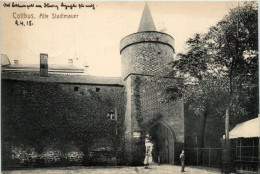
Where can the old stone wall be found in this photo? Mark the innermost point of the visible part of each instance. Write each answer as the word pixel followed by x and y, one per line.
pixel 146 58
pixel 151 106
pixel 59 119
pixel 146 53
pixel 147 106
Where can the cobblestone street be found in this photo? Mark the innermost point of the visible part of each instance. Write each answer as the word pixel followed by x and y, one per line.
pixel 154 169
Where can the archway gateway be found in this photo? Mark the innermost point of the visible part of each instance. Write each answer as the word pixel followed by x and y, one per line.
pixel 162 140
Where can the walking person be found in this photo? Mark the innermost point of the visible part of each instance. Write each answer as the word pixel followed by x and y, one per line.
pixel 182 157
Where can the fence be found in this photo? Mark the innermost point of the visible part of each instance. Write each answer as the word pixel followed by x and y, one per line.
pixel 247 159
pixel 209 157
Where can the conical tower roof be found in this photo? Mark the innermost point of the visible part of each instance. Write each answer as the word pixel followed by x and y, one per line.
pixel 146 23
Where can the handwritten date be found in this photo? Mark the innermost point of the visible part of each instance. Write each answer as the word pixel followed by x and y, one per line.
pixel 23 23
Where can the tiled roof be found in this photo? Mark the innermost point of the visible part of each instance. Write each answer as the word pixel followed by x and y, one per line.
pixel 62 78
pixel 36 67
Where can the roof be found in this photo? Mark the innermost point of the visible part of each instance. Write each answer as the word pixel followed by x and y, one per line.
pixel 146 23
pixel 4 60
pixel 36 67
pixel 248 129
pixel 63 78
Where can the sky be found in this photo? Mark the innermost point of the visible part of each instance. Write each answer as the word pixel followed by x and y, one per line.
pixel 93 38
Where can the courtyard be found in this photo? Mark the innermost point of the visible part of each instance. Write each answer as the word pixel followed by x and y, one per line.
pixel 153 169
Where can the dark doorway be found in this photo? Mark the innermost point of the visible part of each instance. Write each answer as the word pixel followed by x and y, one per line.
pixel 162 142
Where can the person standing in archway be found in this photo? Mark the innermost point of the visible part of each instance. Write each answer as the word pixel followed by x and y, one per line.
pixel 182 157
pixel 147 155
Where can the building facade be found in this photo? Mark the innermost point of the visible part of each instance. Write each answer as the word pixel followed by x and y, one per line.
pixel 90 116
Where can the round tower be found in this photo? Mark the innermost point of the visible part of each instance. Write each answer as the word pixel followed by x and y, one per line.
pixel 146 52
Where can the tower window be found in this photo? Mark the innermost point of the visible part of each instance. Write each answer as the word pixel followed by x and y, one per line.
pixel 97 89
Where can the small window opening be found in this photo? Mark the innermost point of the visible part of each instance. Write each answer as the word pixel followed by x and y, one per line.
pixel 111 115
pixel 97 89
pixel 76 88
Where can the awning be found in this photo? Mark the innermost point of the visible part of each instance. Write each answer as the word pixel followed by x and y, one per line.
pixel 248 129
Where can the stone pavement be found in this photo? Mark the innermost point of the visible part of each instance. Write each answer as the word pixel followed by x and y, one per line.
pixel 153 169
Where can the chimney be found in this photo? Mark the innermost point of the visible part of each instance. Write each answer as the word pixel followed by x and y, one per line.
pixel 15 62
pixel 86 70
pixel 44 65
pixel 70 62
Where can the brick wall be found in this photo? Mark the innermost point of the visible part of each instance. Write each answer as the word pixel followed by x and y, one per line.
pixel 146 53
pixel 146 106
pixel 45 115
pixel 152 105
pixel 145 60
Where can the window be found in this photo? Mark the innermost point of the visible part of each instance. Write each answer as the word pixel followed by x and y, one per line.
pixel 111 115
pixel 76 88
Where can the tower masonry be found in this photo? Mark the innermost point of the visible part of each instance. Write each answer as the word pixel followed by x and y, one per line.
pixel 146 52
pixel 145 67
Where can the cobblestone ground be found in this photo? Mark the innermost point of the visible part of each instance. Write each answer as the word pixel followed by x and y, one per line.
pixel 153 169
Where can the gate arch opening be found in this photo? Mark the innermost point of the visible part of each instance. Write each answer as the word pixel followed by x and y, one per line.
pixel 160 138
